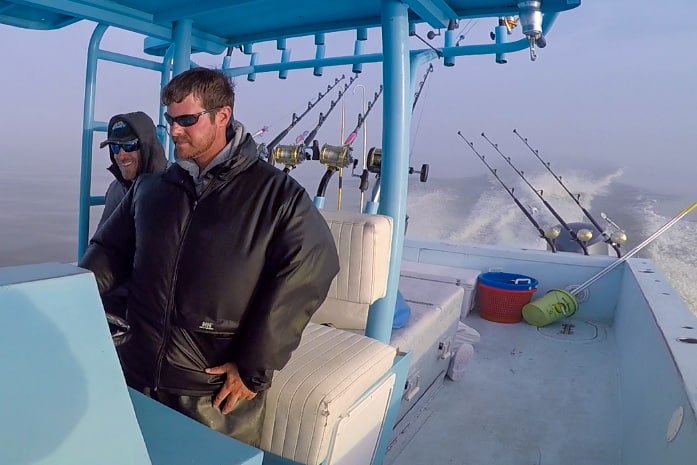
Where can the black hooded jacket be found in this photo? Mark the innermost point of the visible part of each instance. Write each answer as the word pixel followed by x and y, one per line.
pixel 152 158
pixel 232 275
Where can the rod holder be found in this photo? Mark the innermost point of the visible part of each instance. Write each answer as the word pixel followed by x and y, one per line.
pixel 319 54
pixel 357 51
pixel 285 58
pixel 252 63
pixel 449 41
pixel 501 38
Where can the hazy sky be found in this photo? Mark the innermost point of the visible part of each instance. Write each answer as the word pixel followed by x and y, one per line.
pixel 615 87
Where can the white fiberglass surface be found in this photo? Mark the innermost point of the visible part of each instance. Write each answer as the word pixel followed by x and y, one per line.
pixel 528 396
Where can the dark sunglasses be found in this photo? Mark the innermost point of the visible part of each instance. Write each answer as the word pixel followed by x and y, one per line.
pixel 129 146
pixel 187 120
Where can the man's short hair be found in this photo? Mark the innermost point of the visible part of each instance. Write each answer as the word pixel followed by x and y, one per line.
pixel 213 88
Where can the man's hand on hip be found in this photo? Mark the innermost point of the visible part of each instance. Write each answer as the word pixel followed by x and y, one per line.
pixel 233 389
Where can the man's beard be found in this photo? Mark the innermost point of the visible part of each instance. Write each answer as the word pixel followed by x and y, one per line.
pixel 194 151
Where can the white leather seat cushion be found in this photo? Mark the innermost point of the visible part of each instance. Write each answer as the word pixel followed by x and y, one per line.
pixel 364 243
pixel 326 374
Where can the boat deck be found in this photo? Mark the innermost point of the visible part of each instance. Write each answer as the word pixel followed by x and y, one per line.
pixel 529 396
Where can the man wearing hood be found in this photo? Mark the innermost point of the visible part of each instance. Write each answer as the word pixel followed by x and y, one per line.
pixel 134 149
pixel 227 260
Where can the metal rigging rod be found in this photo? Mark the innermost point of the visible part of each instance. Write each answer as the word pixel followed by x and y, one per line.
pixel 563 223
pixel 549 235
pixel 606 236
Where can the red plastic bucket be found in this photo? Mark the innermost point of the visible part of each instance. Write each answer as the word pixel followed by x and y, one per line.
pixel 502 305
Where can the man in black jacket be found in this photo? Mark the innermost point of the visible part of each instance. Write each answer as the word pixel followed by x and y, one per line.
pixel 227 259
pixel 133 149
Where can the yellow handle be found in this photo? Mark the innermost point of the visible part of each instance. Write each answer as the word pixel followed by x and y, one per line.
pixel 689 209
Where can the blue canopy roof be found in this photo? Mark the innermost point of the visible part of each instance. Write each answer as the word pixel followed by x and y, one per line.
pixel 218 24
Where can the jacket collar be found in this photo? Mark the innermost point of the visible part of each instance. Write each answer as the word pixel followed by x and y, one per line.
pixel 244 157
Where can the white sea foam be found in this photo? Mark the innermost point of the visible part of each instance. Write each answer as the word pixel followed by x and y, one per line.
pixel 484 213
pixel 673 251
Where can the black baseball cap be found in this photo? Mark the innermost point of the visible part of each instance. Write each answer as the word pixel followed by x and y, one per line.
pixel 119 132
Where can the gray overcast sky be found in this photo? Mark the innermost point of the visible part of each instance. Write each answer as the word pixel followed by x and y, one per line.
pixel 615 87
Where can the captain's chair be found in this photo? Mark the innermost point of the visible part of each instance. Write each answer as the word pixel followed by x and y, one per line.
pixel 364 243
pixel 330 400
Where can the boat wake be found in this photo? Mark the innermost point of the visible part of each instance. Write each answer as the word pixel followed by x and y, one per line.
pixel 674 251
pixel 478 210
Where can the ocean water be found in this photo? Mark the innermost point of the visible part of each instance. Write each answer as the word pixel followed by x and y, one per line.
pixel 478 209
pixel 39 217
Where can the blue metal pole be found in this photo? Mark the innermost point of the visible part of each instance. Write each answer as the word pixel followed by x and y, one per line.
pixel 319 202
pixel 165 77
pixel 395 161
pixel 83 227
pixel 182 45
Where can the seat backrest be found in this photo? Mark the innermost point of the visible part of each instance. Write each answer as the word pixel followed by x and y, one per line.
pixel 364 243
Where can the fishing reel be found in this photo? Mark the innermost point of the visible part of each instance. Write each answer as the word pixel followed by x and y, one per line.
pixel 374 165
pixel 552 233
pixel 335 157
pixel 423 173
pixel 618 236
pixel 374 161
pixel 289 155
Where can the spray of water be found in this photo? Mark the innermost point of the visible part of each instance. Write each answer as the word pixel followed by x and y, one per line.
pixel 587 185
pixel 673 252
pixel 459 212
pixel 483 213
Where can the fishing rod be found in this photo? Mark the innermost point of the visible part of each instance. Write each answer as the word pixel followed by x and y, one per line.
pixel 361 118
pixel 618 236
pixel 310 139
pixel 363 184
pixel 295 118
pixel 340 188
pixel 338 157
pixel 421 86
pixel 575 198
pixel 293 155
pixel 563 223
pixel 374 161
pixel 578 290
pixel 549 237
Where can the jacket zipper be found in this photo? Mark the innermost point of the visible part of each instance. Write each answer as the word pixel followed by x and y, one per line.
pixel 170 301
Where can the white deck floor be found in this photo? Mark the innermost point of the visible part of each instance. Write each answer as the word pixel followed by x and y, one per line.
pixel 529 397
